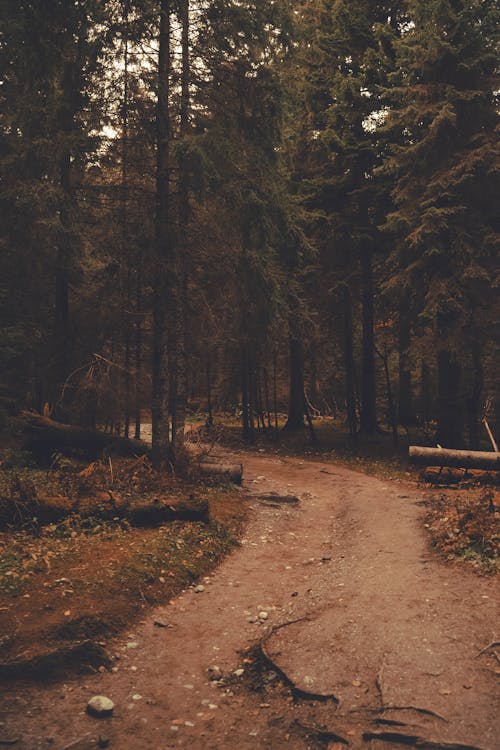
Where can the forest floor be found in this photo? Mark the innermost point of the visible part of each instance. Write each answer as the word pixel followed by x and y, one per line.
pixel 333 623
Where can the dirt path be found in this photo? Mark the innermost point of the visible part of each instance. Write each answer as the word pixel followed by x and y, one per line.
pixel 386 625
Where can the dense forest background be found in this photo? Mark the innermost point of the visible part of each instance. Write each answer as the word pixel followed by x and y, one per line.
pixel 254 207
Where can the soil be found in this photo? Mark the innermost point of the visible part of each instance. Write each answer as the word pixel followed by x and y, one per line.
pixel 382 642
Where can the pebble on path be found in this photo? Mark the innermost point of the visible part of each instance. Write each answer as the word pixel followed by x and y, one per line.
pixel 100 706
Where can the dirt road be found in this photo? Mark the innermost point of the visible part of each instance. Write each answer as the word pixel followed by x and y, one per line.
pixel 386 634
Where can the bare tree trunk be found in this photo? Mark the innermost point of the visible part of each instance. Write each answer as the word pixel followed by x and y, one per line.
pixel 275 388
pixel 406 412
pixel 368 416
pixel 159 405
pixel 296 405
pixel 180 279
pixel 125 248
pixel 350 383
pixel 390 401
pixel 138 350
pixel 425 393
pixel 474 399
pixel 245 406
pixel 210 418
pixel 62 334
pixel 450 401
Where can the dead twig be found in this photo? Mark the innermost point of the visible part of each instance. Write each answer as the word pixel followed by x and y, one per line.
pixel 490 647
pixel 74 745
pixel 296 691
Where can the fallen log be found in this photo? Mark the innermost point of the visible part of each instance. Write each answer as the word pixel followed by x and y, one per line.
pixel 232 472
pixel 45 436
pixel 490 461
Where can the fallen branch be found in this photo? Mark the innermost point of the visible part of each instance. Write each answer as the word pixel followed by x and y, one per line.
pixel 232 472
pixel 297 692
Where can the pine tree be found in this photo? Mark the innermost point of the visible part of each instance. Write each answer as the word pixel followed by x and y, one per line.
pixel 445 113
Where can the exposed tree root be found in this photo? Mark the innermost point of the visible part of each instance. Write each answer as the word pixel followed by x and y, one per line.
pixel 414 740
pixel 424 711
pixel 297 692
pixel 274 497
pixel 379 684
pixel 323 734
pixel 490 647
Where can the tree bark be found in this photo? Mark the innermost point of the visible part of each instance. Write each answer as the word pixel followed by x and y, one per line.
pixel 124 238
pixel 62 334
pixel 450 407
pixel 474 399
pixel 368 415
pixel 350 384
pixel 138 349
pixel 179 274
pixel 406 412
pixel 159 405
pixel 296 405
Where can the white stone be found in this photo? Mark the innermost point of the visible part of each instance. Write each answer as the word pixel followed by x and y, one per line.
pixel 100 706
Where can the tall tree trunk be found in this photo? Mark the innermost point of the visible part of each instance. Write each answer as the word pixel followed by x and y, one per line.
pixel 180 276
pixel 350 380
pixel 450 412
pixel 62 336
pixel 210 417
pixel 138 350
pixel 124 243
pixel 159 401
pixel 296 405
pixel 406 412
pixel 474 399
pixel 368 415
pixel 425 393
pixel 275 388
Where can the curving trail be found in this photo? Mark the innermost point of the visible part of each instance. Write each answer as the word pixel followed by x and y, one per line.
pixel 386 627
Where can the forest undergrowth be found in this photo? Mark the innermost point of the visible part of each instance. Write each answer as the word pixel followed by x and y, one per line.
pixel 89 549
